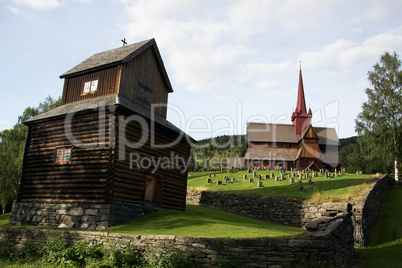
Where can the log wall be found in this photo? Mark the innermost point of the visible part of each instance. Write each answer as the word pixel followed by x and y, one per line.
pixel 85 179
pixel 131 167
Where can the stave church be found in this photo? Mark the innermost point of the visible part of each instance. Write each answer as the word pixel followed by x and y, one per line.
pixel 298 146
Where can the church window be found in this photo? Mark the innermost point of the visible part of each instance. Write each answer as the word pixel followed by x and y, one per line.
pixel 63 155
pixel 90 86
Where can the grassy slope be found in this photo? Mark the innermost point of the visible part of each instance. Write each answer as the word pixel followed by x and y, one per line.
pixel 338 188
pixel 203 222
pixel 385 243
pixel 195 221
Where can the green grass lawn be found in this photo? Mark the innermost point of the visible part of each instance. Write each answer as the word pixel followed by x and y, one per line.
pixel 195 221
pixel 385 243
pixel 343 187
pixel 203 222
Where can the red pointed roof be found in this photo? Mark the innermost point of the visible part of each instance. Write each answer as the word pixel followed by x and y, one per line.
pixel 301 102
pixel 300 118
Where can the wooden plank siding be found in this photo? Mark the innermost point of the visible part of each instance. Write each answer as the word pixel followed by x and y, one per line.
pixel 144 70
pixel 85 179
pixel 129 181
pixel 108 83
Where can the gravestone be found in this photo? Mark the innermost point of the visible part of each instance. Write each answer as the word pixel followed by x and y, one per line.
pixel 259 177
pixel 250 180
pixel 292 180
pixel 244 177
pixel 248 170
pixel 214 175
pixel 209 180
pixel 266 176
pixel 254 174
pixel 300 176
pixel 218 182
pixel 272 175
pixel 276 178
pixel 224 177
pixel 260 184
pixel 209 175
pixel 310 181
pixel 283 176
pixel 301 185
pixel 227 180
pixel 233 179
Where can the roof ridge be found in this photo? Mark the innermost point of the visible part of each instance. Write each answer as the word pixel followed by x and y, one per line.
pixel 106 58
pixel 259 123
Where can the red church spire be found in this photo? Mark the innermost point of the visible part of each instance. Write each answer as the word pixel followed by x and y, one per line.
pixel 301 102
pixel 300 117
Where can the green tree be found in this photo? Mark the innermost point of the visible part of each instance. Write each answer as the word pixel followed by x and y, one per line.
pixel 379 124
pixel 11 157
pixel 12 147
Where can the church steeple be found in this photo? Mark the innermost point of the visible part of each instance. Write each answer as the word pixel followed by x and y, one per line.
pixel 300 118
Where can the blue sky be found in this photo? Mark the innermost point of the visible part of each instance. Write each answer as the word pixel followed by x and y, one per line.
pixel 229 62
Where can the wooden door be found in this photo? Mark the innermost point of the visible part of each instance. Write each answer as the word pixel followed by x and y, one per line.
pixel 153 191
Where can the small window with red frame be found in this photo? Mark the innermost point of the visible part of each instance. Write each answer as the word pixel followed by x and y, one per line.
pixel 63 155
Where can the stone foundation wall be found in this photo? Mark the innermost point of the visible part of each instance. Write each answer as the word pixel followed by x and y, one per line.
pixel 329 243
pixel 274 210
pixel 76 215
pixel 365 209
pixel 298 214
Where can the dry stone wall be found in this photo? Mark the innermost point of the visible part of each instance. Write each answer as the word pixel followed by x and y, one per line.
pixel 329 243
pixel 298 214
pixel 274 210
pixel 75 215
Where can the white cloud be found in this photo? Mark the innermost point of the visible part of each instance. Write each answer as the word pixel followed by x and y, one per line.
pixel 5 125
pixel 344 55
pixel 34 4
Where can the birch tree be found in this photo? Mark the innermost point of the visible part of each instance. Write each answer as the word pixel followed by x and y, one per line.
pixel 379 123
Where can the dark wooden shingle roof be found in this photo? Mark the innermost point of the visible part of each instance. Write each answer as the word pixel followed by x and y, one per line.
pixel 269 154
pixel 118 56
pixel 261 132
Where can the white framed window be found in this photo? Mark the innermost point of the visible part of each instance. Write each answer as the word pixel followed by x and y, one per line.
pixel 90 86
pixel 63 155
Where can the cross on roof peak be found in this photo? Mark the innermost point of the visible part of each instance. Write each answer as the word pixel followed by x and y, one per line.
pixel 124 41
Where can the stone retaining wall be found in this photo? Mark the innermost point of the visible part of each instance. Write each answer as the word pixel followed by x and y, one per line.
pixel 327 243
pixel 298 214
pixel 365 209
pixel 76 215
pixel 274 210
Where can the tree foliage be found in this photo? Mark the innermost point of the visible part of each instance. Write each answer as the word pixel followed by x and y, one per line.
pixel 12 146
pixel 211 153
pixel 379 124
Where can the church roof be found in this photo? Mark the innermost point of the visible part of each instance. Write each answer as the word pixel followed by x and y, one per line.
pixel 327 136
pixel 262 132
pixel 118 56
pixel 267 153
